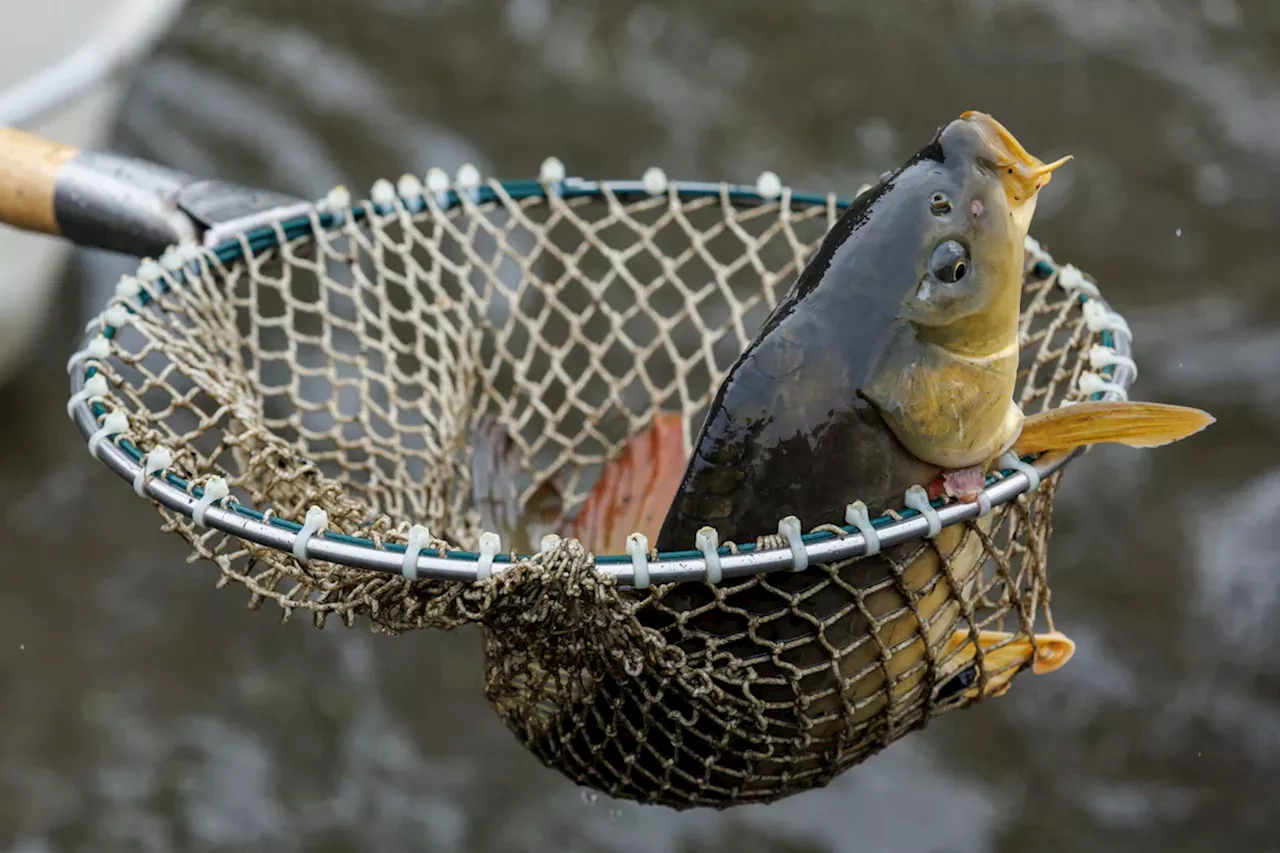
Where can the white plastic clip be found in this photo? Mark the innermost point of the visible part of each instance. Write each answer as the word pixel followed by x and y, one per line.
pixel 654 181
pixel 552 171
pixel 419 536
pixel 214 490
pixel 99 348
pixel 490 544
pixel 1100 356
pixel 857 515
pixel 153 463
pixel 549 543
pixel 116 316
pixel 95 387
pixel 1072 280
pixel 150 270
pixel 188 251
pixel 316 520
pixel 1098 318
pixel 707 541
pixel 338 198
pixel 382 193
pixel 113 424
pixel 984 503
pixel 1092 383
pixel 468 176
pixel 1033 247
pixel 769 185
pixel 638 549
pixel 790 528
pixel 918 499
pixel 1011 460
pixel 437 181
pixel 128 288
pixel 408 186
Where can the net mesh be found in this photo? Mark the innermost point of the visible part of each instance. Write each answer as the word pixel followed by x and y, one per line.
pixel 473 368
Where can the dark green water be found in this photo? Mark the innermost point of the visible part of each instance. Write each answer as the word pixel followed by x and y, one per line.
pixel 145 710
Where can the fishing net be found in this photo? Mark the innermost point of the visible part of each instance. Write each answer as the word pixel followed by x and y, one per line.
pixel 468 360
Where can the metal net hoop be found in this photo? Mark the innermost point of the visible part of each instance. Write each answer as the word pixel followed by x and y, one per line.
pixel 339 409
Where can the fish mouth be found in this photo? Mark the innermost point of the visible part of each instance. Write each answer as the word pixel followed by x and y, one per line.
pixel 1022 174
pixel 1004 657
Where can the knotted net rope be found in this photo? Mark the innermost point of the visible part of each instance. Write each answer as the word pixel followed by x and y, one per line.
pixel 468 361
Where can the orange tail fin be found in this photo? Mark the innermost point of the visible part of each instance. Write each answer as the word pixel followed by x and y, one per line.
pixel 1134 424
pixel 635 489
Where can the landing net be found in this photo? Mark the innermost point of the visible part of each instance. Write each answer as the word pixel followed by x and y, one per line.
pixel 340 410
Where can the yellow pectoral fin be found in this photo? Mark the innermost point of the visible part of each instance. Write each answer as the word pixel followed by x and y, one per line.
pixel 1135 424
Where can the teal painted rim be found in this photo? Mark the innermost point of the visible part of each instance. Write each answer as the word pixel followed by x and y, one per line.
pixel 266 237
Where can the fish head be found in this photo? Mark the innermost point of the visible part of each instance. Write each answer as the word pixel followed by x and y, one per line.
pixel 1004 655
pixel 945 385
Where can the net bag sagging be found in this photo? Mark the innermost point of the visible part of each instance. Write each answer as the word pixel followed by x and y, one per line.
pixel 467 360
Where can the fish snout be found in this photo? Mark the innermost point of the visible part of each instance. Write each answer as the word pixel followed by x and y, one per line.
pixel 1022 174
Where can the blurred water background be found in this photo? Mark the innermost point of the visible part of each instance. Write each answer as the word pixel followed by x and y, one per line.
pixel 146 711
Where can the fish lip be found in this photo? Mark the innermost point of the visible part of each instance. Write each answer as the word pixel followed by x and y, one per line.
pixel 1021 173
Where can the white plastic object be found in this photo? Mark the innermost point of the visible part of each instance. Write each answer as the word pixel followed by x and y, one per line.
pixel 918 499
pixel 214 490
pixel 316 520
pixel 1092 383
pixel 115 316
pixel 338 197
pixel 1100 356
pixel 549 542
pixel 857 515
pixel 95 387
pixel 1072 280
pixel 128 287
pixel 707 541
pixel 419 536
pixel 654 181
pixel 468 176
pixel 1011 460
pixel 790 528
pixel 99 347
pixel 552 170
pixel 408 186
pixel 149 270
pixel 490 544
pixel 121 33
pixel 154 462
pixel 188 250
pixel 1099 319
pixel 382 192
pixel 113 424
pixel 984 504
pixel 769 185
pixel 437 180
pixel 638 550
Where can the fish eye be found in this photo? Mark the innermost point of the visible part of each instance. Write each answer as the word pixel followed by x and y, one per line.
pixel 940 204
pixel 960 682
pixel 950 262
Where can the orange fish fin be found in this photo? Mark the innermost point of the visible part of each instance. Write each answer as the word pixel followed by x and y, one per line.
pixel 1134 424
pixel 1053 650
pixel 635 489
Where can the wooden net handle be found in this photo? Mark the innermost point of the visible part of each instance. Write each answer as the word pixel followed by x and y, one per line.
pixel 29 169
